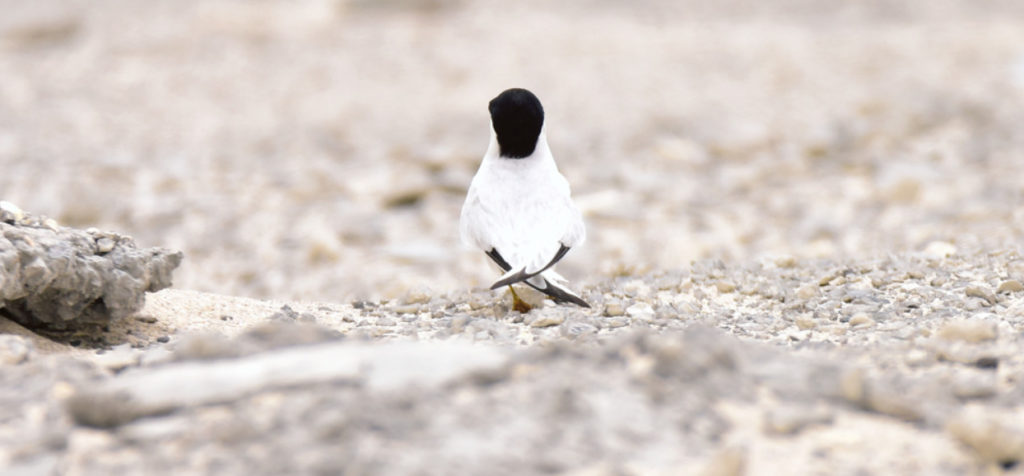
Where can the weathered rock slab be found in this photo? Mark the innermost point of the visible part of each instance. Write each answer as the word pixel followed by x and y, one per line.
pixel 59 277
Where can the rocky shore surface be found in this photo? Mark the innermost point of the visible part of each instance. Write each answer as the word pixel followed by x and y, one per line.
pixel 804 238
pixel 907 364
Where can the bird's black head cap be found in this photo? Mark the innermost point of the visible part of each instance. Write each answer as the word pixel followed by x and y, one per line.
pixel 517 117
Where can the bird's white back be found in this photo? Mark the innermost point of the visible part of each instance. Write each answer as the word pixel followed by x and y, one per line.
pixel 521 207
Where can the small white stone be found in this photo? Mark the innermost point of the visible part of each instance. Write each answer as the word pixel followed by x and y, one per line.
pixel 10 212
pixel 614 308
pixel 641 311
pixel 548 319
pixel 808 291
pixel 14 349
pixel 104 245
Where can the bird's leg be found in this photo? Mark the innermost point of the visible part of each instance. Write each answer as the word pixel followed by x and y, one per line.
pixel 518 304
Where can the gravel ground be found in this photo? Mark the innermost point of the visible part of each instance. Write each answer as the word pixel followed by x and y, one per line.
pixel 804 254
pixel 906 365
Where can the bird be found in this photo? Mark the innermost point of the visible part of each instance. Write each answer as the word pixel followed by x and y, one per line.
pixel 519 208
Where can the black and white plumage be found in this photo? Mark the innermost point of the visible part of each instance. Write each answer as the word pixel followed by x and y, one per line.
pixel 518 209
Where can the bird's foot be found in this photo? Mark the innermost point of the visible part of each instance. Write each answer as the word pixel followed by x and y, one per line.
pixel 519 304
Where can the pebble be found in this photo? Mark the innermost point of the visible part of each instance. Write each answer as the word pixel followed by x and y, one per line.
pixel 10 213
pixel 616 322
pixel 805 323
pixel 614 307
pixel 939 281
pixel 1010 286
pixel 641 311
pixel 725 287
pixel 968 330
pixel 14 349
pixel 861 319
pixel 548 319
pixel 104 245
pixel 808 291
pixel 981 291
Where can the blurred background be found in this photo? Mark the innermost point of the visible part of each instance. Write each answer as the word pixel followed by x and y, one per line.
pixel 321 149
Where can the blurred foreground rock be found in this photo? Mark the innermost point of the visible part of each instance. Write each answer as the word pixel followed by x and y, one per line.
pixel 59 277
pixel 345 406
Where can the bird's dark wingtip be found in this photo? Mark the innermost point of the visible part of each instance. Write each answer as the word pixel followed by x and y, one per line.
pixel 579 302
pixel 560 295
pixel 498 259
